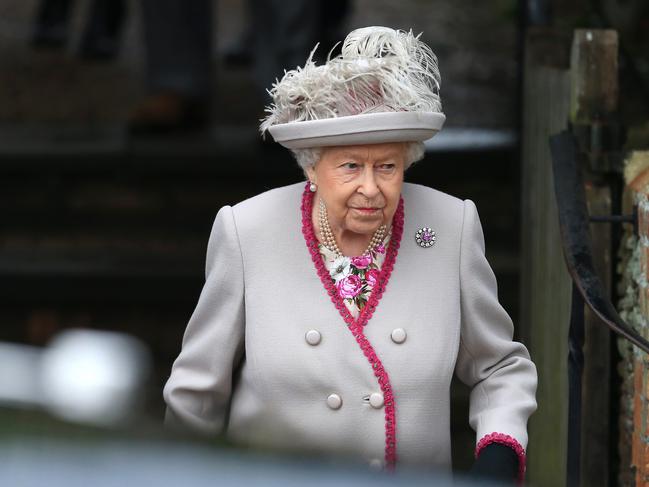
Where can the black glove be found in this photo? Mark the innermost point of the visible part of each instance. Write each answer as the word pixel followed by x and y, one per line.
pixel 497 463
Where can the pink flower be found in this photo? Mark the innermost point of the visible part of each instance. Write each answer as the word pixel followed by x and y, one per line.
pixel 362 261
pixel 371 277
pixel 380 248
pixel 349 286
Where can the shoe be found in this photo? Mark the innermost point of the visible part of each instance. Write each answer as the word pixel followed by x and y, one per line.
pixel 166 112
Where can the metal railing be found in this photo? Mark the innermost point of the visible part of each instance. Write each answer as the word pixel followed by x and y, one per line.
pixel 587 287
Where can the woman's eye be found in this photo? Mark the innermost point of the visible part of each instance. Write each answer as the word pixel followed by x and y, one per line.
pixel 387 167
pixel 350 165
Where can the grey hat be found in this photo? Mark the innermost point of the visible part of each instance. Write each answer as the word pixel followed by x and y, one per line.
pixel 383 87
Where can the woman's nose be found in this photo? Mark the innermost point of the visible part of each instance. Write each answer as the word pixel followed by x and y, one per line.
pixel 368 187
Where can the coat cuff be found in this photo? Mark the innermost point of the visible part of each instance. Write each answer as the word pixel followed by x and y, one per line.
pixel 509 441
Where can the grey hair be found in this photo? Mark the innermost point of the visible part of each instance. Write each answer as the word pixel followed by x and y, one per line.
pixel 307 158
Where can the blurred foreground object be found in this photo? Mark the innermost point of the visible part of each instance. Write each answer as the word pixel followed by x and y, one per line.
pixel 29 463
pixel 84 376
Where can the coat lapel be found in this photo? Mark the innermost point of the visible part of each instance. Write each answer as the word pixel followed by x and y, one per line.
pixel 356 326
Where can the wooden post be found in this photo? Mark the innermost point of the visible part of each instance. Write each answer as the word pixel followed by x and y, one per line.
pixel 596 376
pixel 585 94
pixel 594 95
pixel 593 67
pixel 546 285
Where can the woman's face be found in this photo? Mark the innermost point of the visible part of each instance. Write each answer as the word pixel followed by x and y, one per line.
pixel 360 184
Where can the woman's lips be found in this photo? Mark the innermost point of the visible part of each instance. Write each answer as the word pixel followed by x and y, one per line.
pixel 367 211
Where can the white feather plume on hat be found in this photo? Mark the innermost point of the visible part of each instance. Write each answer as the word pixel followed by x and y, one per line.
pixel 379 70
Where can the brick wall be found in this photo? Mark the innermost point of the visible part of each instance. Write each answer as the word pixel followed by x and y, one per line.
pixel 634 309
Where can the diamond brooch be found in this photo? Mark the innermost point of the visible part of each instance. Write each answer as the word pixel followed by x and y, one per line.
pixel 425 237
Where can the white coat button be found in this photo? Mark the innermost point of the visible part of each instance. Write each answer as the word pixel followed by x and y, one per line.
pixel 376 400
pixel 334 401
pixel 376 464
pixel 313 337
pixel 398 335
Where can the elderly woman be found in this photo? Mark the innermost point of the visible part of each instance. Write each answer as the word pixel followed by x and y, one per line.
pixel 335 313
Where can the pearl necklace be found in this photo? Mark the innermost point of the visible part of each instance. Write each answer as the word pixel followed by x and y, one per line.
pixel 329 240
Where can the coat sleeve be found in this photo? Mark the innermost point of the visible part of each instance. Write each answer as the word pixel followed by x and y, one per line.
pixel 499 370
pixel 198 391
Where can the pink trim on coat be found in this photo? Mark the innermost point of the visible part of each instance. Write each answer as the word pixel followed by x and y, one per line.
pixel 506 440
pixel 356 326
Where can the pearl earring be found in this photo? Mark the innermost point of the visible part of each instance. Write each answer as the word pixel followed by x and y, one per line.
pixel 312 187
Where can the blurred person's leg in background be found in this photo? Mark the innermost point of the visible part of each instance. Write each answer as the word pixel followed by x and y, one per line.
pixel 178 41
pixel 101 37
pixel 51 23
pixel 286 32
pixel 100 40
pixel 332 28
pixel 239 52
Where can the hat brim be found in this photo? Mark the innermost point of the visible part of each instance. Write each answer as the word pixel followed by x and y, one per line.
pixel 368 128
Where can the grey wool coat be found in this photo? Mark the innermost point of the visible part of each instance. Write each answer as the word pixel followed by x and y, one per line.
pixel 250 366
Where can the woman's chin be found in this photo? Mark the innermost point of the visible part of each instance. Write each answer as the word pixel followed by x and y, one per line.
pixel 365 227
